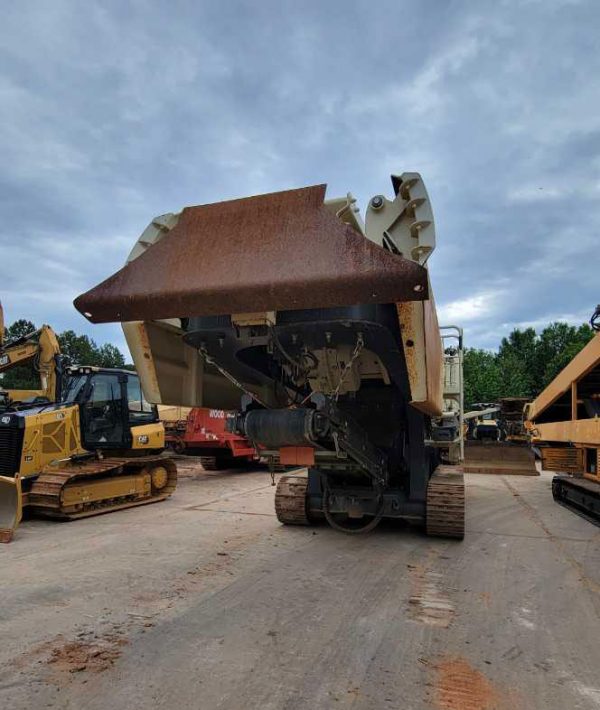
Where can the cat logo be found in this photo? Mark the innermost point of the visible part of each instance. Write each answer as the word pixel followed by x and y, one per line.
pixel 5 420
pixel 4 360
pixel 60 415
pixel 143 439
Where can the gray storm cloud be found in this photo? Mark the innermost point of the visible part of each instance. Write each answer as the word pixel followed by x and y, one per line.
pixel 112 114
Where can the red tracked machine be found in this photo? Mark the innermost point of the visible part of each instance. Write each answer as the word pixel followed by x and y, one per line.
pixel 203 433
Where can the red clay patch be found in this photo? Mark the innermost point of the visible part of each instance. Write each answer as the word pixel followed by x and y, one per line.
pixel 76 656
pixel 459 686
pixel 95 654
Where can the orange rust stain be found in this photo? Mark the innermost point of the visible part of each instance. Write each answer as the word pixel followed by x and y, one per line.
pixel 434 358
pixel 459 686
pixel 405 317
pixel 426 376
pixel 150 367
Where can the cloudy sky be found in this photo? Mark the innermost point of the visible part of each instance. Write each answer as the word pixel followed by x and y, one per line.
pixel 116 111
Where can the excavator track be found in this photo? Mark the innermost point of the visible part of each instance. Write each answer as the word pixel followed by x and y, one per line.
pixel 290 499
pixel 78 489
pixel 445 516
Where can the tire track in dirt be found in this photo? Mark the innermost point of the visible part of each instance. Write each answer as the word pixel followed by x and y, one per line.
pixel 533 515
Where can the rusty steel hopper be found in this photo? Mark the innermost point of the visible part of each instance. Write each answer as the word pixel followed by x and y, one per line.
pixel 282 251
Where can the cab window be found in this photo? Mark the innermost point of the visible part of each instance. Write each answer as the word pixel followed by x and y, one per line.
pixel 140 410
pixel 73 387
pixel 103 413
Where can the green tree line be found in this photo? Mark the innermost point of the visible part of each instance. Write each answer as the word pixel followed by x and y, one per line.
pixel 524 364
pixel 79 349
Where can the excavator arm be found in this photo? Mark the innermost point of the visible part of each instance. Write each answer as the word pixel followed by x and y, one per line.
pixel 40 347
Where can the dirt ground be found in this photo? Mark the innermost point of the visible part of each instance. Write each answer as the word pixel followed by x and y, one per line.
pixel 206 601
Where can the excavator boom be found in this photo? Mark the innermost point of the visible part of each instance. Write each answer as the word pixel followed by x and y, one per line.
pixel 40 347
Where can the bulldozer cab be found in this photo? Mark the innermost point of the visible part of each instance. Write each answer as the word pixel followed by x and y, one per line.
pixel 111 402
pixel 98 409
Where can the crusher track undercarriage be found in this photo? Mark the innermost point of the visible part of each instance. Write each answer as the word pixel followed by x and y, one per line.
pixel 444 513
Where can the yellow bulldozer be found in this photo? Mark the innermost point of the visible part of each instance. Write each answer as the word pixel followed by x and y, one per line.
pixel 95 451
pixel 496 441
pixel 88 442
pixel 320 329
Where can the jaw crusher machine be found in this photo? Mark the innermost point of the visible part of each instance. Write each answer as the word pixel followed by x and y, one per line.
pixel 319 329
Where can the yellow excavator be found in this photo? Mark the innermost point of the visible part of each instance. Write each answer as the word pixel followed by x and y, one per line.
pixel 95 449
pixel 39 347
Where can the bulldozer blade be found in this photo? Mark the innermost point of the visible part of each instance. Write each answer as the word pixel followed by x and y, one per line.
pixel 282 251
pixel 11 507
pixel 499 457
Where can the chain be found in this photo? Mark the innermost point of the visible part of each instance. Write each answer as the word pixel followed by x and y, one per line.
pixel 231 378
pixel 347 367
pixel 356 352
